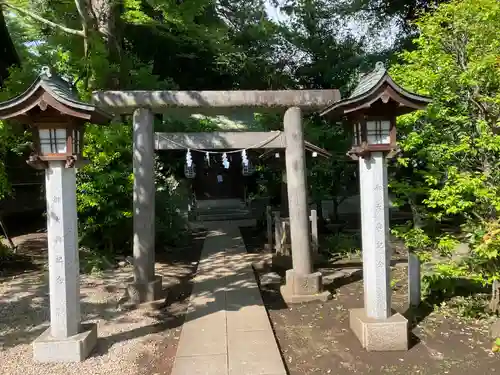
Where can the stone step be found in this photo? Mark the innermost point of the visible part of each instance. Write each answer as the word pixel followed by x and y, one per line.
pixel 218 211
pixel 223 217
pixel 220 203
pixel 220 216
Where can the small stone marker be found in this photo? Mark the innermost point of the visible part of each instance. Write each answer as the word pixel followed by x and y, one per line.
pixel 314 231
pixel 414 286
pixel 495 329
pixel 277 232
pixel 269 222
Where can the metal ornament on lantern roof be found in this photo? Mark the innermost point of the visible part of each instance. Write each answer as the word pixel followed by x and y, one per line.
pixel 53 109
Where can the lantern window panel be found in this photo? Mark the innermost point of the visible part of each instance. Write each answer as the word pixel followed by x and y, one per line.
pixel 76 142
pixel 357 138
pixel 53 141
pixel 378 132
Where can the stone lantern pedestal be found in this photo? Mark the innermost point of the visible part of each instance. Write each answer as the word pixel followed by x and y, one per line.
pixel 371 111
pixel 51 107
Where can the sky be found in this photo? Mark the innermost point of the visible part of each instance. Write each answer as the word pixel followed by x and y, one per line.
pixel 274 13
pixel 385 38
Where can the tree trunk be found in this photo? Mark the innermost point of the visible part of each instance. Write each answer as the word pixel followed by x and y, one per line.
pixel 104 16
pixel 104 13
pixel 8 53
pixel 335 212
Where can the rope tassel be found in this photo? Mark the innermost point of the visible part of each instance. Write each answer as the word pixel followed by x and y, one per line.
pixel 189 158
pixel 244 158
pixel 225 161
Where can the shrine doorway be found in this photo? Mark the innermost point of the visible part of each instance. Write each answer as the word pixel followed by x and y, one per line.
pixel 214 181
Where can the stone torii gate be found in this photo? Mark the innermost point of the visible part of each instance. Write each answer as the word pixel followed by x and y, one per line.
pixel 302 284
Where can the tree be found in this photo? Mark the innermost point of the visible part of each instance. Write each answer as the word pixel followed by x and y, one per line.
pixel 456 139
pixel 385 15
pixel 7 51
pixel 98 45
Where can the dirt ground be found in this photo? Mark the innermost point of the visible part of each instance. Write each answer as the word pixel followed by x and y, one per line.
pixel 315 338
pixel 130 341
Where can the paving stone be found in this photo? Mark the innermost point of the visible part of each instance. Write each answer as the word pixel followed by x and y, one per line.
pixel 209 316
pixel 227 329
pixel 248 318
pixel 254 352
pixel 243 297
pixel 202 340
pixel 201 365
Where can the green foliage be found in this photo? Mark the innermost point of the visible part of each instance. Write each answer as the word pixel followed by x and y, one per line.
pixel 6 253
pixel 171 194
pixel 414 238
pixel 343 244
pixel 332 178
pixel 469 307
pixel 105 189
pixel 449 169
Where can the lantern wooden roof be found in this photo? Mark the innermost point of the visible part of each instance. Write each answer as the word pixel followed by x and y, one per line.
pixel 375 88
pixel 50 90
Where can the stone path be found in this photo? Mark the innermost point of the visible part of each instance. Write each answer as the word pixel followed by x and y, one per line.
pixel 227 330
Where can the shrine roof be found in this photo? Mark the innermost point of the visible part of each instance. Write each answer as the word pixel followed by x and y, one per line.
pixel 60 90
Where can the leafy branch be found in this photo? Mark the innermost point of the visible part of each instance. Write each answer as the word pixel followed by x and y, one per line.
pixel 43 20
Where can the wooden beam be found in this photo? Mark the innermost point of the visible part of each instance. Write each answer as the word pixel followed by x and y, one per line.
pixel 220 140
pixel 158 101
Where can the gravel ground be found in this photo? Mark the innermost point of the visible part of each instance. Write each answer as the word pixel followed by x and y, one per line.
pixel 130 342
pixel 315 338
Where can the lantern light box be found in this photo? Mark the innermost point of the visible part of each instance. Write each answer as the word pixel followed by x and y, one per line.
pixel 57 117
pixel 63 142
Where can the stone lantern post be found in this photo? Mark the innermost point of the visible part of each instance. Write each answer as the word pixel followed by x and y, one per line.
pixel 371 110
pixel 51 107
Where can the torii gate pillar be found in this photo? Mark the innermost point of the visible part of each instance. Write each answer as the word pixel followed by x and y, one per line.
pixel 147 287
pixel 302 284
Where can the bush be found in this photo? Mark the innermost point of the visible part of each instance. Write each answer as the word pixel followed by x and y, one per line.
pixel 105 193
pixel 6 253
pixel 171 225
pixel 343 244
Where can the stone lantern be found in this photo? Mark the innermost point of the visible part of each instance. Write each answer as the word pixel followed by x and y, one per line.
pixel 58 141
pixel 373 134
pixel 51 107
pixel 371 112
